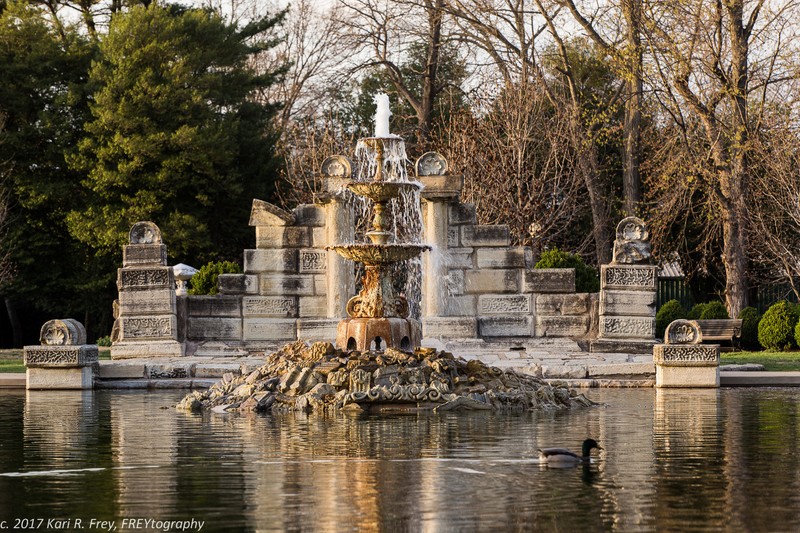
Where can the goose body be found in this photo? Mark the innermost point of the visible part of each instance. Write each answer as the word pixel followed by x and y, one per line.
pixel 562 456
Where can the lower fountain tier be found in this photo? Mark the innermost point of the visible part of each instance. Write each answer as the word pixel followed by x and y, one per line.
pixel 379 254
pixel 378 333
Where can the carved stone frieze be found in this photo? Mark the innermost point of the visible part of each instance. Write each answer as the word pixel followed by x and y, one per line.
pixel 269 306
pixel 60 356
pixel 145 278
pixel 628 277
pixel 148 327
pixel 686 354
pixel 502 304
pixel 313 261
pixel 627 327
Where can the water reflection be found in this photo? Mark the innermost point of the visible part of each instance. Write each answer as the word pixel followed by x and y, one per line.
pixel 673 460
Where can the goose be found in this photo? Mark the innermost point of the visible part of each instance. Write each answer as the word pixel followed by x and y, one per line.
pixel 562 456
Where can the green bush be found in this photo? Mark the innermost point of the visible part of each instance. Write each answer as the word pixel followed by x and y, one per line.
pixel 669 312
pixel 776 330
pixel 713 310
pixel 695 312
pixel 750 318
pixel 104 341
pixel 205 280
pixel 586 278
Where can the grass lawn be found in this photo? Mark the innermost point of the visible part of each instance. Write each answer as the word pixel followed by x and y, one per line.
pixel 11 360
pixel 771 360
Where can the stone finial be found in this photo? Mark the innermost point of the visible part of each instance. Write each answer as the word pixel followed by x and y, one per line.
pixel 631 245
pixel 183 273
pixel 683 332
pixel 65 332
pixel 431 164
pixel 145 233
pixel 337 166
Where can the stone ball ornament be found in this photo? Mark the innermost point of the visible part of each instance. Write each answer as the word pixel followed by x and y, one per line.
pixel 145 233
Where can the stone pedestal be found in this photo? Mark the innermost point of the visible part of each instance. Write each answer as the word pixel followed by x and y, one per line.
pixel 627 311
pixel 59 362
pixel 683 361
pixel 146 318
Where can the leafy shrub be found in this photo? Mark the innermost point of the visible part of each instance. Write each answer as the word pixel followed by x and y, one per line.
pixel 205 280
pixel 104 341
pixel 776 330
pixel 713 310
pixel 669 312
pixel 750 318
pixel 586 278
pixel 695 312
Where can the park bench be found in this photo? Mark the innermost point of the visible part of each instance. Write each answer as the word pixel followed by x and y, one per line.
pixel 728 330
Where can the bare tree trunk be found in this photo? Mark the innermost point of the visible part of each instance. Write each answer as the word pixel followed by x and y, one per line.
pixel 590 169
pixel 631 180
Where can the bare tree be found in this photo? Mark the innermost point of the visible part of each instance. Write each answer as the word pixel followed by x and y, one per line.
pixel 718 61
pixel 516 169
pixel 382 34
pixel 624 47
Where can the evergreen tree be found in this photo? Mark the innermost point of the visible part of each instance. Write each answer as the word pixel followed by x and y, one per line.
pixel 176 135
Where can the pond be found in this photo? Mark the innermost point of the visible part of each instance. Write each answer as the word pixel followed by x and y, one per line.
pixel 702 460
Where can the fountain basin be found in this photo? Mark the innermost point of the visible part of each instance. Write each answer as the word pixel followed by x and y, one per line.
pixel 382 191
pixel 379 254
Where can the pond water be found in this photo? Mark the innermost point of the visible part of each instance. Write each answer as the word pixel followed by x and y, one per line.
pixel 704 460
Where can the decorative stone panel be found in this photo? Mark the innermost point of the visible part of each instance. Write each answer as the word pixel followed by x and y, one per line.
pixel 627 327
pixel 313 261
pixel 217 328
pixel 686 354
pixel 145 279
pixel 628 277
pixel 269 306
pixel 148 328
pixel 548 280
pixel 504 304
pixel 60 356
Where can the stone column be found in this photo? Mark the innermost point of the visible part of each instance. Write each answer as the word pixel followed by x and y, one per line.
pixel 434 264
pixel 339 228
pixel 628 286
pixel 682 361
pixel 146 315
pixel 63 360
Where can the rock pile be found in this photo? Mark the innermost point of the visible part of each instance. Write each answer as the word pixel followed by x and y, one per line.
pixel 319 377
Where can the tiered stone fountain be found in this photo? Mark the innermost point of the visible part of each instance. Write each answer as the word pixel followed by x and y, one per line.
pixel 379 318
pixel 379 365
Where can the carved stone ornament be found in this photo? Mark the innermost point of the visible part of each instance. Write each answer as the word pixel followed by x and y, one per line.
pixel 631 245
pixel 337 166
pixel 145 233
pixel 686 355
pixel 66 332
pixel 431 164
pixel 632 229
pixel 683 332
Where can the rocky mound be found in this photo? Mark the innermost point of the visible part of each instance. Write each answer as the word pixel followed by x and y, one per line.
pixel 319 377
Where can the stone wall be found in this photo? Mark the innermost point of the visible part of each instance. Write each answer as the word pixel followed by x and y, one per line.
pixel 475 286
pixel 479 286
